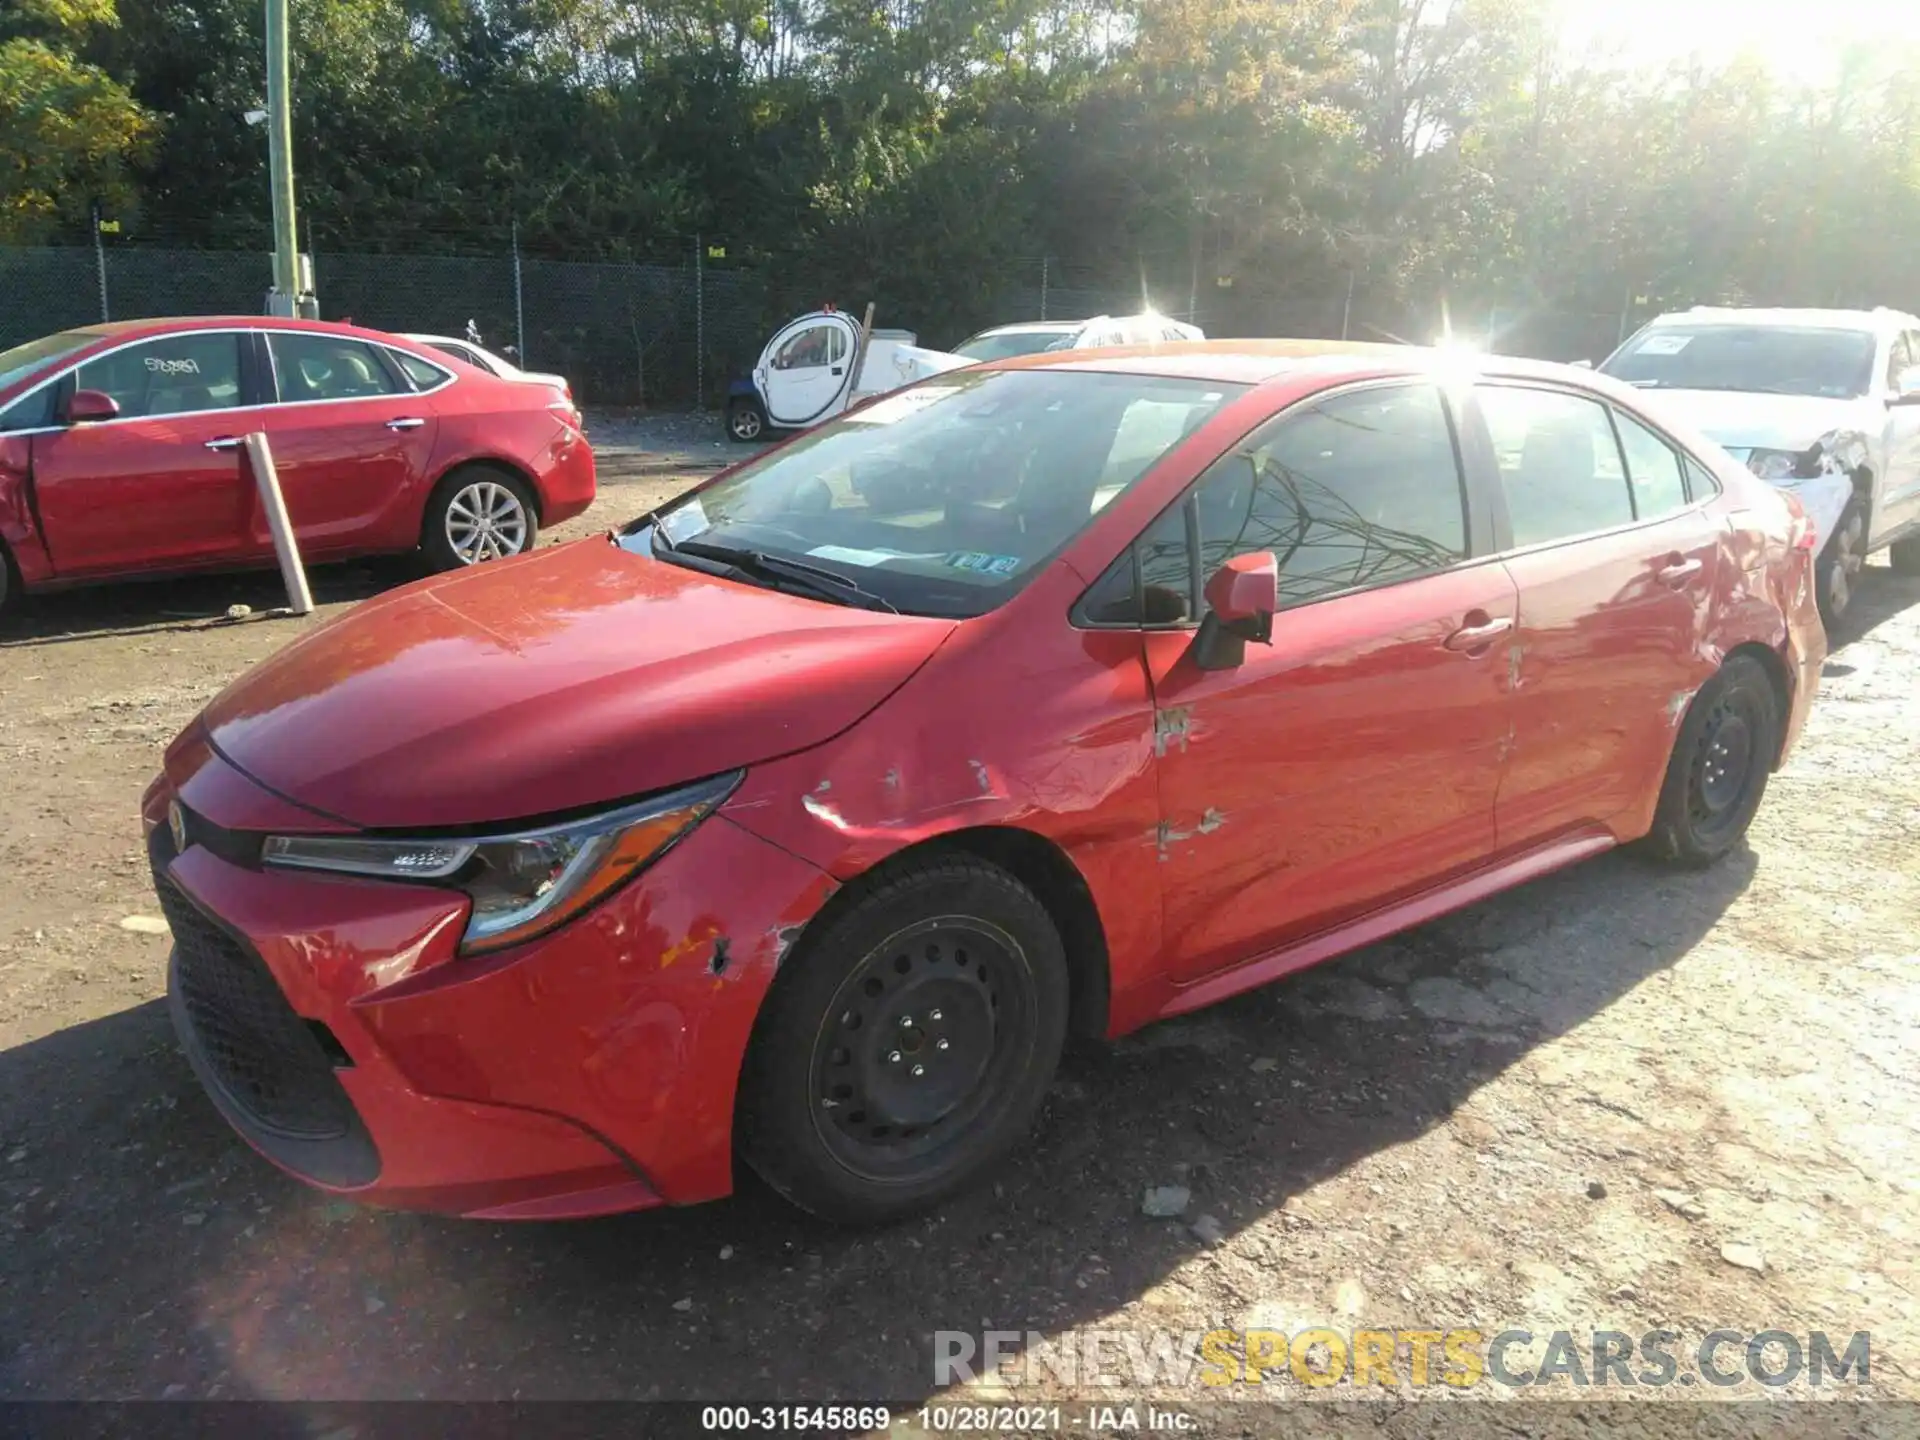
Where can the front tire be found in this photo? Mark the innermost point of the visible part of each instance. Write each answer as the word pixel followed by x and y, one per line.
pixel 1842 563
pixel 9 583
pixel 746 421
pixel 478 513
pixel 907 1046
pixel 1718 772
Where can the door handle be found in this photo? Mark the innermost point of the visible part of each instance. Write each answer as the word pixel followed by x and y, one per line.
pixel 1480 635
pixel 1677 572
pixel 411 422
pixel 225 442
pixel 839 369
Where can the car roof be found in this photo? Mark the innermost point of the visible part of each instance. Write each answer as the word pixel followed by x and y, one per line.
pixel 125 329
pixel 1034 327
pixel 1783 316
pixel 1257 362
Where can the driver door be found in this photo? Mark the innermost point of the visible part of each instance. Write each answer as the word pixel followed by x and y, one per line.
pixel 1356 759
pixel 803 374
pixel 1900 487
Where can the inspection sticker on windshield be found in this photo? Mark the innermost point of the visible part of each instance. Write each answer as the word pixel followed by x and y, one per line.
pixel 983 564
pixel 1665 344
pixel 897 407
pixel 688 520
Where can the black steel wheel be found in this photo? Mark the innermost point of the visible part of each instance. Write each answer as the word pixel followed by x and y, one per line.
pixel 905 1049
pixel 1718 772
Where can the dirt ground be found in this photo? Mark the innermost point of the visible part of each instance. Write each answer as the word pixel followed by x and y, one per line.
pixel 1616 1099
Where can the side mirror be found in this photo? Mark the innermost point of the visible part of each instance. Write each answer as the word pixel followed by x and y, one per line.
pixel 1242 596
pixel 1583 364
pixel 90 405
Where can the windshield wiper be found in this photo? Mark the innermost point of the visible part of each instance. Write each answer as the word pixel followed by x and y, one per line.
pixel 822 582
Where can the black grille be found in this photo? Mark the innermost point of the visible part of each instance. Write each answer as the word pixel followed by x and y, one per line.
pixel 261 1054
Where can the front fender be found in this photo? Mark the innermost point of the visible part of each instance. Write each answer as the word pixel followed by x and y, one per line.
pixel 19 528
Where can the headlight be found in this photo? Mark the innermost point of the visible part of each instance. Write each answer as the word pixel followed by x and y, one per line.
pixel 522 884
pixel 1776 464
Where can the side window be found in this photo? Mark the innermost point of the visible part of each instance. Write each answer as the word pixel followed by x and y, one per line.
pixel 836 346
pixel 1152 581
pixel 1899 362
pixel 1355 490
pixel 807 350
pixel 1701 482
pixel 1559 463
pixel 1653 470
pixel 1909 371
pixel 312 366
pixel 30 412
pixel 174 375
pixel 423 373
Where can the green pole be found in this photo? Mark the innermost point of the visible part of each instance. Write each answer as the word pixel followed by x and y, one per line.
pixel 286 244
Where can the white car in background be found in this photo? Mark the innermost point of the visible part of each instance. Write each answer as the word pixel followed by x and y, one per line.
pixel 482 359
pixel 1822 403
pixel 1005 341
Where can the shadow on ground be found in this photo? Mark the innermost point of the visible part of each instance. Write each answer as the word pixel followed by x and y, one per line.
pixel 148 1249
pixel 189 602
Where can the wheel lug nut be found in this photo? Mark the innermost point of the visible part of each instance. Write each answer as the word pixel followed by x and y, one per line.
pixel 894 1058
pixel 919 1070
pixel 933 1014
pixel 906 1022
pixel 941 1045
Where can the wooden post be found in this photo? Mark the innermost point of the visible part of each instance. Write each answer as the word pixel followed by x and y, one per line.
pixel 860 353
pixel 285 546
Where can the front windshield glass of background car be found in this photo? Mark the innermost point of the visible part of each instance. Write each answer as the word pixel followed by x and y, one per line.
pixel 1005 347
pixel 944 499
pixel 1767 359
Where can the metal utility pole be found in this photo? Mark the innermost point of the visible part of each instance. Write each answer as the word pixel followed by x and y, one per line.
pixel 284 298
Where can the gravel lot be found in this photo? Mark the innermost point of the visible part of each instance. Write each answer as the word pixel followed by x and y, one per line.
pixel 1596 1103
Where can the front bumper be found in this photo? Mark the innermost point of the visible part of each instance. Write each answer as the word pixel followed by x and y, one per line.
pixel 590 1071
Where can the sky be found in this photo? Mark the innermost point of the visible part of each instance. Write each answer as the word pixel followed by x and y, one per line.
pixel 1789 34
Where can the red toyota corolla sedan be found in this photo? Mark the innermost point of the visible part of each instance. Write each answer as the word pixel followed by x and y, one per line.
pixel 121 453
pixel 803 820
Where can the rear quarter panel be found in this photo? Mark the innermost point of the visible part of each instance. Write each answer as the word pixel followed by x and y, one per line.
pixel 486 420
pixel 19 529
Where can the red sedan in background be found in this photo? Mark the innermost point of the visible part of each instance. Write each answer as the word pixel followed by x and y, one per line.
pixel 806 817
pixel 121 454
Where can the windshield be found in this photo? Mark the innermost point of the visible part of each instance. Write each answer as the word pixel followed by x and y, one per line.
pixel 1015 342
pixel 16 363
pixel 1768 359
pixel 945 498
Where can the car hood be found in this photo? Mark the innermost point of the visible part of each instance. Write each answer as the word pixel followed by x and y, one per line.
pixel 1739 420
pixel 576 676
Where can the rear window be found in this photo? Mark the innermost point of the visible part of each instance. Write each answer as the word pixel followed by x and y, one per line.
pixel 945 498
pixel 422 373
pixel 1005 347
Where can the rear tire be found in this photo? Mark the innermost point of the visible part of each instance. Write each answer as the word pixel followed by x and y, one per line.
pixel 1718 772
pixel 904 1051
pixel 746 421
pixel 1842 563
pixel 1905 555
pixel 478 513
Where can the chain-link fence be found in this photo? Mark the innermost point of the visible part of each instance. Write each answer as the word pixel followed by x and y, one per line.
pixel 676 334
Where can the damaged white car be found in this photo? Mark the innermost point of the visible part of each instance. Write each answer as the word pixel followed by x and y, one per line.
pixel 1824 403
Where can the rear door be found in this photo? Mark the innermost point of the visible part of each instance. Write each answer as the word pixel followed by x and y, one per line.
pixel 1616 565
pixel 164 485
pixel 1357 758
pixel 804 372
pixel 352 440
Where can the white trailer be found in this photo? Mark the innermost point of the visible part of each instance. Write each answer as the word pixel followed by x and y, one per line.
pixel 822 363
